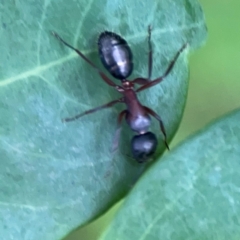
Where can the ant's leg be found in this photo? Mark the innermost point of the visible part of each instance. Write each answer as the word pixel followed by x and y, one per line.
pixel 104 77
pixel 107 105
pixel 140 81
pixel 143 81
pixel 151 112
pixel 170 66
pixel 149 53
pixel 118 130
pixel 116 140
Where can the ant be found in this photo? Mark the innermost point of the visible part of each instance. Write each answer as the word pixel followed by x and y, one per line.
pixel 116 56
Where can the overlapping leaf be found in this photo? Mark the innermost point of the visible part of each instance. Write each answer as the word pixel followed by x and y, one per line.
pixel 193 193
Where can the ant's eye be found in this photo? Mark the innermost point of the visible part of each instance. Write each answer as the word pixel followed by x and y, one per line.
pixel 143 146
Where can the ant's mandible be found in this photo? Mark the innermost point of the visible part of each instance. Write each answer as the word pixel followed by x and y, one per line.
pixel 116 56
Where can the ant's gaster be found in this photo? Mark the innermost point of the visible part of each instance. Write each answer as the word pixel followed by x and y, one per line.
pixel 116 57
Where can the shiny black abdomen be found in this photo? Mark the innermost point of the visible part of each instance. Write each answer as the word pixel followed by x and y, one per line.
pixel 115 54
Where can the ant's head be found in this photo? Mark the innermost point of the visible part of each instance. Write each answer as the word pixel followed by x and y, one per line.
pixel 143 146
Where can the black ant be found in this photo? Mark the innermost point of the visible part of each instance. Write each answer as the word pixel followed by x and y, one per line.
pixel 116 56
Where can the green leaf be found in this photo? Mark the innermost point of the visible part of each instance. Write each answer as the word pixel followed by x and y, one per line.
pixel 54 175
pixel 193 193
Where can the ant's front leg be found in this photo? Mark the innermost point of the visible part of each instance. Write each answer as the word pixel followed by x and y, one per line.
pixel 107 105
pixel 118 130
pixel 151 112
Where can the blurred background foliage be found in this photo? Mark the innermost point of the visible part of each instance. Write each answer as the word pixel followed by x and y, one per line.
pixel 214 88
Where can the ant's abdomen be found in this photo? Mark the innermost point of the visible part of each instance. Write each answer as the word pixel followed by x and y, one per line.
pixel 115 55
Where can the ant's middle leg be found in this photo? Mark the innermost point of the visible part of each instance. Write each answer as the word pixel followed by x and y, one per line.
pixel 170 67
pixel 107 105
pixel 104 77
pixel 151 112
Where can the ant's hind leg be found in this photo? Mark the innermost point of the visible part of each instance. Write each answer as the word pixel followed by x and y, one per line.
pixel 144 81
pixel 149 53
pixel 107 105
pixel 169 68
pixel 103 76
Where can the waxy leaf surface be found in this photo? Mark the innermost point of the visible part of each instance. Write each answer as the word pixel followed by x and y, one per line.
pixel 56 176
